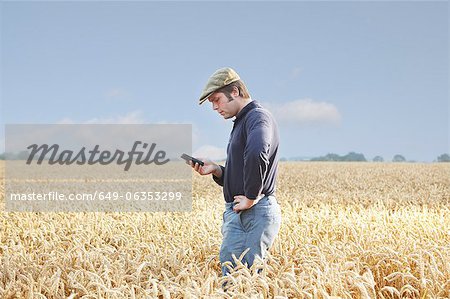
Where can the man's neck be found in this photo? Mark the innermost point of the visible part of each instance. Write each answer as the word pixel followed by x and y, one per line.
pixel 245 102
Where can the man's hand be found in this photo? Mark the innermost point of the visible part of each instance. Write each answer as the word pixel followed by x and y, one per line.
pixel 209 167
pixel 241 202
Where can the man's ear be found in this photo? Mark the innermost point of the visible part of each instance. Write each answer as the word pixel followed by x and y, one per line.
pixel 235 91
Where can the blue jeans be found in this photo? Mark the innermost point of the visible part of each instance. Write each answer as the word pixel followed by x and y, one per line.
pixel 255 228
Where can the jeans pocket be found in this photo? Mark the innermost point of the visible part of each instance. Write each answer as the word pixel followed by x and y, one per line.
pixel 272 213
pixel 246 219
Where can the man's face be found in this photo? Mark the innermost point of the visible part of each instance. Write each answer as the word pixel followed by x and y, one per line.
pixel 223 105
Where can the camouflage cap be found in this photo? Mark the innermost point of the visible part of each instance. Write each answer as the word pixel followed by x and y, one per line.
pixel 219 79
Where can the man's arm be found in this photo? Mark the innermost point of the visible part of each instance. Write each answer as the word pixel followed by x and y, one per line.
pixel 218 175
pixel 256 161
pixel 256 154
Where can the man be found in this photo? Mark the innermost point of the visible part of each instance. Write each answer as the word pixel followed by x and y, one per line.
pixel 252 215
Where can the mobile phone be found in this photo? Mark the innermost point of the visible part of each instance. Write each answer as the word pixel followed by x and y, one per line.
pixel 189 158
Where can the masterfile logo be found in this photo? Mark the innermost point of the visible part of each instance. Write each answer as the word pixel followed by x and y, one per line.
pixel 91 157
pixel 97 168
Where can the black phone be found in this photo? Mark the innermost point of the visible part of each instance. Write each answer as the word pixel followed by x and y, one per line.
pixel 189 158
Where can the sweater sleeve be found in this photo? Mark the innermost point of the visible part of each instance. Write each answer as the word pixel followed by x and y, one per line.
pixel 219 181
pixel 256 153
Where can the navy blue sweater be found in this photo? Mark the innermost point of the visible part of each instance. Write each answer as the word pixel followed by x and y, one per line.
pixel 252 155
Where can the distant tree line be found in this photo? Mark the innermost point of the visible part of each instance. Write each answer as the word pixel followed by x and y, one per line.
pixel 443 158
pixel 351 156
pixel 398 158
pixel 358 157
pixel 23 155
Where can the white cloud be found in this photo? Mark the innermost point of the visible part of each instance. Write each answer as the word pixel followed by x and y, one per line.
pixel 305 112
pixel 133 117
pixel 210 152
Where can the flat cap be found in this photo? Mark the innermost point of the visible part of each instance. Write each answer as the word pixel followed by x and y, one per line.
pixel 222 77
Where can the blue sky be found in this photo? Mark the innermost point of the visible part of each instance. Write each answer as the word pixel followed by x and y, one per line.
pixel 369 77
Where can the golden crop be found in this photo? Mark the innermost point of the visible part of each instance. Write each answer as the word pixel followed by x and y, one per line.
pixel 350 230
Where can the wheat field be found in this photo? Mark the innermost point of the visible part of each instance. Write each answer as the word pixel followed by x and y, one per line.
pixel 350 230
